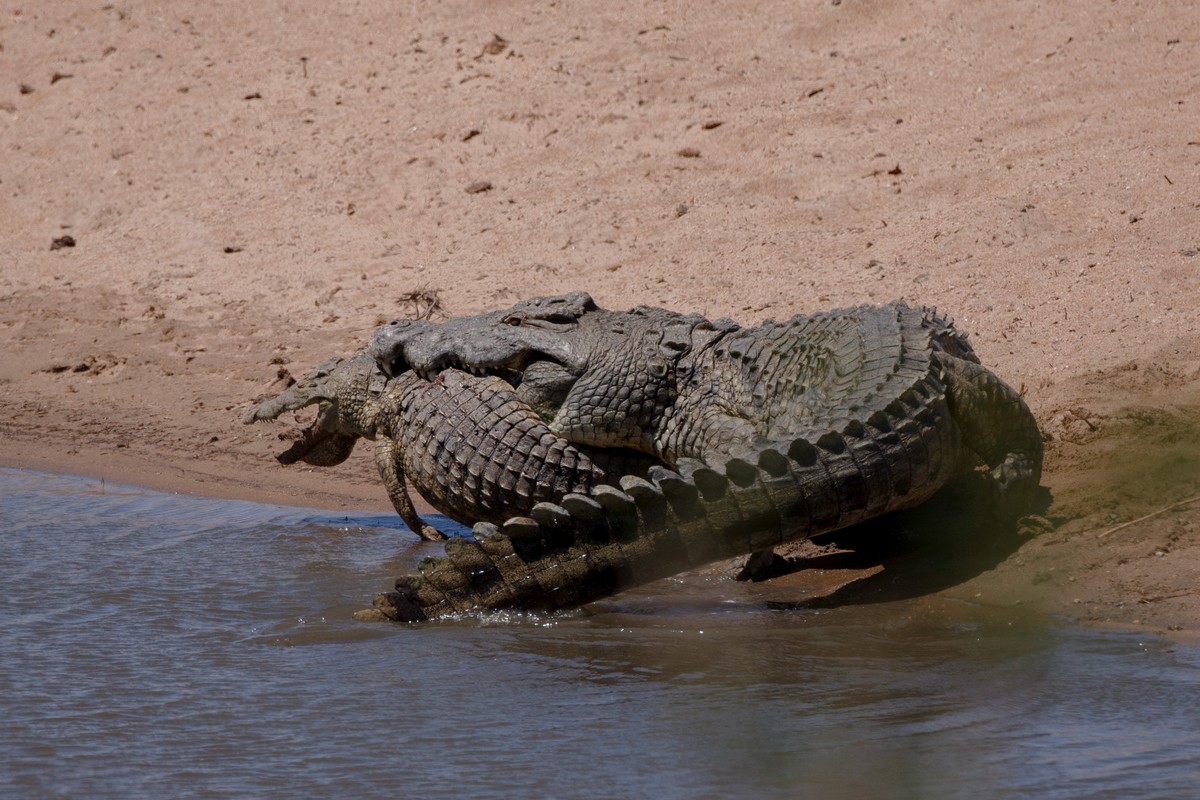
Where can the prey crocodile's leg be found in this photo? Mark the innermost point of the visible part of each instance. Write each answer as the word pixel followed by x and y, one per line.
pixel 387 459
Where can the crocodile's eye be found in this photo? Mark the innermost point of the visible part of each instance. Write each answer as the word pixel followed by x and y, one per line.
pixel 516 320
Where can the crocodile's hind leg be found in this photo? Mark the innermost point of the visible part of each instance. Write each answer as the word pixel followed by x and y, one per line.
pixel 998 427
pixel 387 458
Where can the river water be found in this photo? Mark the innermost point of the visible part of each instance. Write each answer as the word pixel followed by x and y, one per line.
pixel 156 645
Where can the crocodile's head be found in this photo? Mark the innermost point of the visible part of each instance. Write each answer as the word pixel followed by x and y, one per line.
pixel 344 391
pixel 536 346
pixel 601 378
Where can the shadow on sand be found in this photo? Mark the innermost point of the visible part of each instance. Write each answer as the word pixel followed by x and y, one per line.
pixel 953 537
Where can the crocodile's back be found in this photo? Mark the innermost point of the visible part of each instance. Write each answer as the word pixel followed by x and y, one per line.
pixel 813 374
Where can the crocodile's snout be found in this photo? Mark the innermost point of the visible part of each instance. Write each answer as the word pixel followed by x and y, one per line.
pixel 387 346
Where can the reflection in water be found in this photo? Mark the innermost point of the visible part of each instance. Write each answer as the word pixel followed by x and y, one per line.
pixel 160 645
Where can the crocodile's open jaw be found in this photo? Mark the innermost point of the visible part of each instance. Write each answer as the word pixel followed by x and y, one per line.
pixel 541 382
pixel 510 372
pixel 503 344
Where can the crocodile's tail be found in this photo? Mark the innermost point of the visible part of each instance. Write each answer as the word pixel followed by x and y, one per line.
pixel 997 426
pixel 996 423
pixel 589 545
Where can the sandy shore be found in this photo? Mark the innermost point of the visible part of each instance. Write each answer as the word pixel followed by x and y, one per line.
pixel 248 189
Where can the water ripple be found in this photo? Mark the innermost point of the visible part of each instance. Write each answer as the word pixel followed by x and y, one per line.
pixel 164 645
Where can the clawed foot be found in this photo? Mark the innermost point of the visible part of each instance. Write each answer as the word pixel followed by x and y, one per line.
pixel 429 533
pixel 1015 486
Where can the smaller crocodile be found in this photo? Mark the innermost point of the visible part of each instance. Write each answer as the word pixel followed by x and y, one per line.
pixel 476 451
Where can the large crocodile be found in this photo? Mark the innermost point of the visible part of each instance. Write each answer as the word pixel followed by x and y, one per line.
pixel 761 435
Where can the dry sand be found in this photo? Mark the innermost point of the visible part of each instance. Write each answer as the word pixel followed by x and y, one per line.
pixel 252 187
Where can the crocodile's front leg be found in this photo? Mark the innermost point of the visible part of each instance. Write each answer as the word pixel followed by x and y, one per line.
pixel 387 459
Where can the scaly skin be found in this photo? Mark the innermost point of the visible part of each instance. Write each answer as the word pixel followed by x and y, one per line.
pixel 772 434
pixel 474 450
pixel 761 436
pixel 346 392
pixel 678 386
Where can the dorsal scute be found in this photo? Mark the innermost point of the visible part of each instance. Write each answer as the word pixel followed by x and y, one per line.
pixel 826 371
